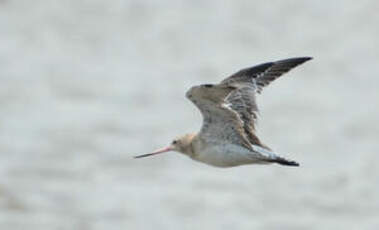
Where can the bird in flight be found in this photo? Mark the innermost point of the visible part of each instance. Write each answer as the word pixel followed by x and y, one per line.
pixel 228 135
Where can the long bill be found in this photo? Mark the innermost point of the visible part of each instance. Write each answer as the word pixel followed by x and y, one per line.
pixel 163 150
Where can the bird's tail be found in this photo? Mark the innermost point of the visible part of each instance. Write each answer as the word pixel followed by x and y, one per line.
pixel 284 161
pixel 271 157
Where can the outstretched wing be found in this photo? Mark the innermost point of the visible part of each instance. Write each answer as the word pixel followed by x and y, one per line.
pixel 250 81
pixel 242 101
pixel 220 122
pixel 261 75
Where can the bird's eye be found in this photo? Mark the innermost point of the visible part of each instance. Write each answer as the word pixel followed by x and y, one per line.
pixel 208 85
pixel 174 142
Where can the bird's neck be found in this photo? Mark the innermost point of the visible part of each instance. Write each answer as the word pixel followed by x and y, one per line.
pixel 189 145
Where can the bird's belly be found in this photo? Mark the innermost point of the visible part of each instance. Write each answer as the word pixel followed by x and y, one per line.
pixel 226 156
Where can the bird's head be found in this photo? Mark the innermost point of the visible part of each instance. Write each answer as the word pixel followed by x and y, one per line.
pixel 181 144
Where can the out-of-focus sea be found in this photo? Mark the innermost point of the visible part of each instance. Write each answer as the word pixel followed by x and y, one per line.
pixel 85 85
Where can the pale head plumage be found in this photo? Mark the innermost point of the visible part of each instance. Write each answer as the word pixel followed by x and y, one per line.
pixel 183 143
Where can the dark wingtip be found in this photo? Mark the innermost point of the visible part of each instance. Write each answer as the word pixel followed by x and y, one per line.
pixel 297 60
pixel 306 58
pixel 257 68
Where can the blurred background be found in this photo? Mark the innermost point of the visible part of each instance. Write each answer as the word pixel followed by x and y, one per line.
pixel 85 85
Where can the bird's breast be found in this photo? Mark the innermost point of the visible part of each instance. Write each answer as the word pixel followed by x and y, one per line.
pixel 223 155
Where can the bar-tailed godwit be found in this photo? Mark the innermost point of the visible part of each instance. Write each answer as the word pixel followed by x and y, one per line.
pixel 228 137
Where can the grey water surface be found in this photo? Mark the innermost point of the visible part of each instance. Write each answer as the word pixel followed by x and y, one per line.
pixel 86 85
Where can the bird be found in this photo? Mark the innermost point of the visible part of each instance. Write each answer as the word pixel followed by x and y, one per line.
pixel 228 136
